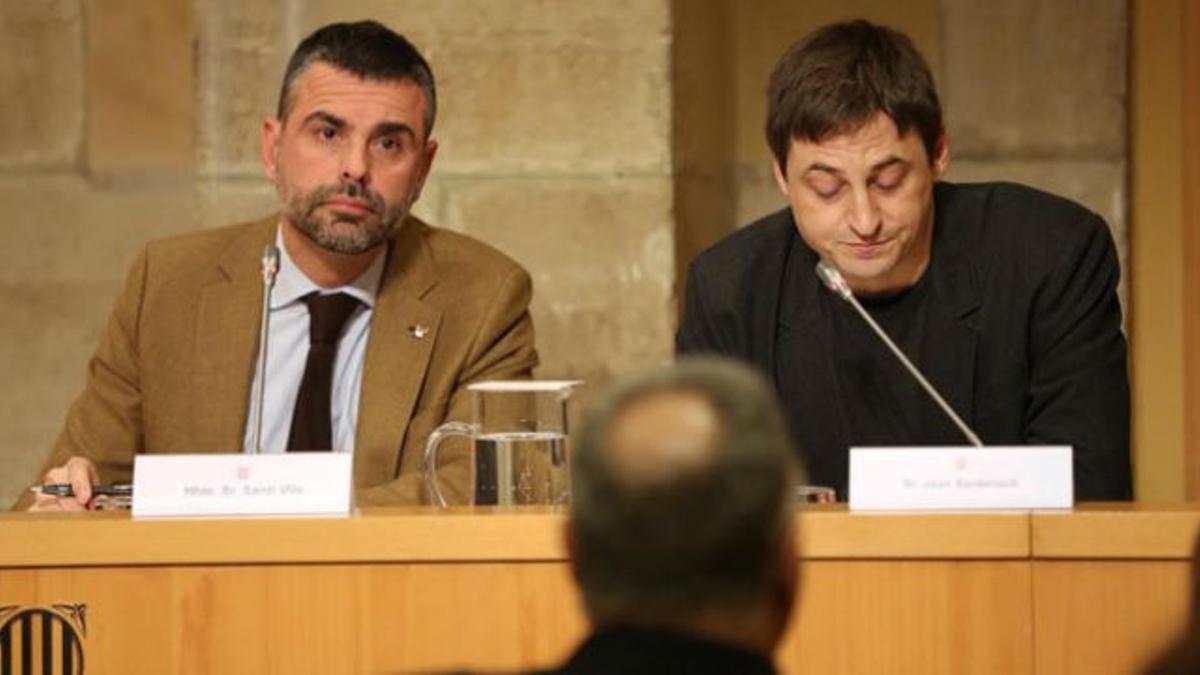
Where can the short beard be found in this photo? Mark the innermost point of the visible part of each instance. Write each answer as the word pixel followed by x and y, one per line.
pixel 370 230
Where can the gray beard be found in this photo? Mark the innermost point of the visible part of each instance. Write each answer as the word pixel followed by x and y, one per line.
pixel 370 230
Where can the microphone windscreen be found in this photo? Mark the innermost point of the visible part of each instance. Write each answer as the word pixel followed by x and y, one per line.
pixel 832 278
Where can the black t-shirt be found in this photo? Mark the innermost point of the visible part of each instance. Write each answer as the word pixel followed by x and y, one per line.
pixel 877 402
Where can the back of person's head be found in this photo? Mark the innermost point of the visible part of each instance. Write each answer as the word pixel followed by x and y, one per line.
pixel 839 77
pixel 367 49
pixel 682 497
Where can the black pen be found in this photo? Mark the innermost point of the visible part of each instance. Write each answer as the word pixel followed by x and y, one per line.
pixel 65 490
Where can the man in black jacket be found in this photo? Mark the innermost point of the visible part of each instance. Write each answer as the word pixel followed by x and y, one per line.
pixel 682 527
pixel 1004 296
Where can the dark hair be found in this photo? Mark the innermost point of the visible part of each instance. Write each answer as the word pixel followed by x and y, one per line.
pixel 367 49
pixel 835 79
pixel 701 535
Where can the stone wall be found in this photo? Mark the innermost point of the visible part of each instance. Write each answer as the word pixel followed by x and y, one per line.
pixel 95 160
pixel 1048 109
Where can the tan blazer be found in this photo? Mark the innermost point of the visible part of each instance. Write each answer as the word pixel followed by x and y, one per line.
pixel 174 368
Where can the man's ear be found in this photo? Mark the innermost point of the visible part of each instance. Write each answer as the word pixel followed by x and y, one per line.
pixel 780 177
pixel 941 156
pixel 268 147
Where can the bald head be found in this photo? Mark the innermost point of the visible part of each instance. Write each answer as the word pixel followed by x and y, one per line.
pixel 661 436
pixel 681 486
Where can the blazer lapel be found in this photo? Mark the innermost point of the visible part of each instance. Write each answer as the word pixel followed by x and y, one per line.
pixel 949 361
pixel 226 343
pixel 403 332
pixel 813 395
pixel 763 326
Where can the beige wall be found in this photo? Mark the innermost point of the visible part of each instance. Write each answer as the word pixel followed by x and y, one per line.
pixel 599 143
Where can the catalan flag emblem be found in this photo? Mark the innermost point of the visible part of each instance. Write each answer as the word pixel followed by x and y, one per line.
pixel 42 640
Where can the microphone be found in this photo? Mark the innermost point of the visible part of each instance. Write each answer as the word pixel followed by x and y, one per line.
pixel 270 268
pixel 835 282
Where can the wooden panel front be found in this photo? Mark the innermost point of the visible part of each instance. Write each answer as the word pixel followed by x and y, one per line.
pixel 1116 531
pixel 830 531
pixel 924 617
pixel 1096 590
pixel 1112 584
pixel 1095 617
pixel 854 616
pixel 313 618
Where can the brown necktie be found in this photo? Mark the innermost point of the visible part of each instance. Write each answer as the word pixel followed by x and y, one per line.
pixel 311 426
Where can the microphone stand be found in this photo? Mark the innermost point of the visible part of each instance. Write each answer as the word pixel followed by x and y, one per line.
pixel 834 281
pixel 270 268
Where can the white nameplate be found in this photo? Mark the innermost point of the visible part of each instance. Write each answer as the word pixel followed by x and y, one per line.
pixel 961 477
pixel 236 484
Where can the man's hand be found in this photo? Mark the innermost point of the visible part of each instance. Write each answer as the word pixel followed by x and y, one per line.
pixel 81 474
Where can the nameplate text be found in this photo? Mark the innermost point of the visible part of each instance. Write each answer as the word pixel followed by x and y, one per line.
pixel 961 478
pixel 310 483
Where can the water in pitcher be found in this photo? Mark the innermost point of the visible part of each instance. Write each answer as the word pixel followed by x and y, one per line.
pixel 522 468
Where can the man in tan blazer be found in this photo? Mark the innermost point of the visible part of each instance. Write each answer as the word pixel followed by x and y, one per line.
pixel 348 153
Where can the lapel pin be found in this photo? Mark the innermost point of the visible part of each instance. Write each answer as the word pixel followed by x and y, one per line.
pixel 418 331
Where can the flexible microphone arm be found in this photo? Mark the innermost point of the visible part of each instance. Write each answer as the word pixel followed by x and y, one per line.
pixel 834 281
pixel 270 268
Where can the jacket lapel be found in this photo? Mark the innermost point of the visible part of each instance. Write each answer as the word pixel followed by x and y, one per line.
pixel 949 361
pixel 403 332
pixel 813 395
pixel 763 327
pixel 226 342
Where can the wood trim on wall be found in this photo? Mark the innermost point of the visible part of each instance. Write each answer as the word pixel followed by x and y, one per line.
pixel 1156 250
pixel 1190 88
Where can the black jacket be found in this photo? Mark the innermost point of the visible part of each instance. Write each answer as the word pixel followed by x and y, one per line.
pixel 1024 304
pixel 628 650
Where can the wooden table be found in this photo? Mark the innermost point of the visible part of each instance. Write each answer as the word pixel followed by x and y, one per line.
pixel 1096 590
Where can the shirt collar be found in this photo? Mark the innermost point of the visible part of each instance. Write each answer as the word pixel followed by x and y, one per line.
pixel 291 284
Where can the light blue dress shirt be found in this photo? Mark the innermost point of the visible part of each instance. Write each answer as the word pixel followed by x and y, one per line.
pixel 287 353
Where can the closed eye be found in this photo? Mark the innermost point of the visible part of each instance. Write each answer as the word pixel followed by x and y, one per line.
pixel 825 185
pixel 890 176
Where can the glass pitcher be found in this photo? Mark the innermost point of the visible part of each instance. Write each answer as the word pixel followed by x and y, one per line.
pixel 519 444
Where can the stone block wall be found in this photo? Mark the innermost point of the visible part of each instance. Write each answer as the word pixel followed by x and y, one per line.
pixel 1047 108
pixel 43 56
pixel 94 161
